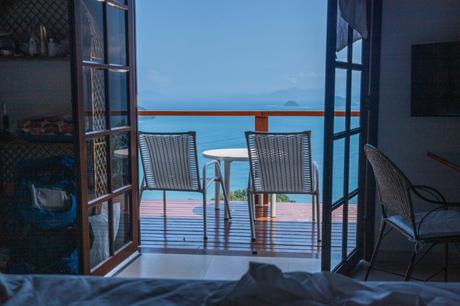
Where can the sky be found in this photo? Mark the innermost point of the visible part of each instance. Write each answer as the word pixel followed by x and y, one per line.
pixel 204 49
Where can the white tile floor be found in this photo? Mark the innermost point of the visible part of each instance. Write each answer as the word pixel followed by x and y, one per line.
pixel 208 267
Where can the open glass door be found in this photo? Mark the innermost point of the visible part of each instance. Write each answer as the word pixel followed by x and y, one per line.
pixel 346 130
pixel 106 129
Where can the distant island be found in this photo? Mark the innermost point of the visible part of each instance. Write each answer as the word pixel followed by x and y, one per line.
pixel 289 98
pixel 291 103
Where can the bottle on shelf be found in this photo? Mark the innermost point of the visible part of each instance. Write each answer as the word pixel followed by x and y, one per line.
pixel 52 47
pixel 43 40
pixel 33 45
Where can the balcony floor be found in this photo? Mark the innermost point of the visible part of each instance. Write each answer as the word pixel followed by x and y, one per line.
pixel 290 234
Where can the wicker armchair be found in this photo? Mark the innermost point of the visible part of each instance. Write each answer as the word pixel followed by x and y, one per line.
pixel 440 225
pixel 170 163
pixel 282 163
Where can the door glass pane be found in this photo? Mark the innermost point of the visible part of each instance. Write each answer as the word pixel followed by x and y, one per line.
pixel 352 224
pixel 336 236
pixel 94 99
pixel 340 99
pixel 97 167
pixel 121 221
pixel 92 30
pixel 354 163
pixel 357 51
pixel 116 28
pixel 120 160
pixel 342 55
pixel 99 233
pixel 355 98
pixel 118 95
pixel 337 168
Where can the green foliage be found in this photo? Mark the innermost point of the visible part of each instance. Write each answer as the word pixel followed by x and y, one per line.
pixel 241 195
pixel 283 198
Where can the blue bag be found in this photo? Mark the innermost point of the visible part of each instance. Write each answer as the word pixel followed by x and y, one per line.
pixel 44 177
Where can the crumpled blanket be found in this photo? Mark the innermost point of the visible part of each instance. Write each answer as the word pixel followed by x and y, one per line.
pixel 60 290
pixel 265 284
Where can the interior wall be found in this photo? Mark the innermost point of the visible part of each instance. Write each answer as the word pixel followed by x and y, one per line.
pixel 403 138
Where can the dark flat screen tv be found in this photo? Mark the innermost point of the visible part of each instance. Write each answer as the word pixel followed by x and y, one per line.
pixel 436 79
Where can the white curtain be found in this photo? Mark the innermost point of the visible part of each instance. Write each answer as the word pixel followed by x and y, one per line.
pixel 353 13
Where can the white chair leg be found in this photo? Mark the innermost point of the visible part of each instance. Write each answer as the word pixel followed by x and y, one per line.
pixel 226 182
pixel 313 204
pixel 217 188
pixel 251 216
pixel 228 213
pixel 273 205
pixel 253 207
pixel 318 217
pixel 205 229
pixel 218 174
pixel 164 203
pixel 316 200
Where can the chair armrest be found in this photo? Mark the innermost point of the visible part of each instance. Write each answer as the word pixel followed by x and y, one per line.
pixel 436 198
pixel 205 167
pixel 211 162
pixel 436 195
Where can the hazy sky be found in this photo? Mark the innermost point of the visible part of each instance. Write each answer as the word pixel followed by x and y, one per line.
pixel 212 48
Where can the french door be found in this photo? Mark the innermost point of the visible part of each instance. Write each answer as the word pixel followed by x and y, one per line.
pixel 106 129
pixel 349 124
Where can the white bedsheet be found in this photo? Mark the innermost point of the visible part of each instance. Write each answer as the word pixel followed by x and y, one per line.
pixel 262 285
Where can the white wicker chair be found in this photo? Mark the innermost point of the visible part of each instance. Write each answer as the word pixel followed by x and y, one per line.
pixel 282 163
pixel 170 163
pixel 439 225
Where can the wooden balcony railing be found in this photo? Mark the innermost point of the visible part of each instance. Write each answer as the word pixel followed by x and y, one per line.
pixel 261 117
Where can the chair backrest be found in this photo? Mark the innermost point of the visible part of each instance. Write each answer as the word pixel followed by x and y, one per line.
pixel 393 187
pixel 170 161
pixel 280 162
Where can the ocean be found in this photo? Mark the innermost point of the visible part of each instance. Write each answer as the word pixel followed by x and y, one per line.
pixel 228 132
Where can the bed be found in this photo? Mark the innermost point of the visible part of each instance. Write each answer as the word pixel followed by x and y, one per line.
pixel 262 285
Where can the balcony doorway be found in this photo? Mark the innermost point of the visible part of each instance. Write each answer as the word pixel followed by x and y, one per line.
pixel 220 68
pixel 223 68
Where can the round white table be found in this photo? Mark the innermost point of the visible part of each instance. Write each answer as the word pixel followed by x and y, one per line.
pixel 227 156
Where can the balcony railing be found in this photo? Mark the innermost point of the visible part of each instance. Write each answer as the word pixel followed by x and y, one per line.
pixel 261 117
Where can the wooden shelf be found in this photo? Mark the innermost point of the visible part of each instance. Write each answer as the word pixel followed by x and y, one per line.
pixel 35 58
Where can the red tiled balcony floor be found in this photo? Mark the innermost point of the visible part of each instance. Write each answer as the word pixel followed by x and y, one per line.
pixel 291 233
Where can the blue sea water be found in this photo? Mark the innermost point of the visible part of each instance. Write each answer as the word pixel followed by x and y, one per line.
pixel 228 132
